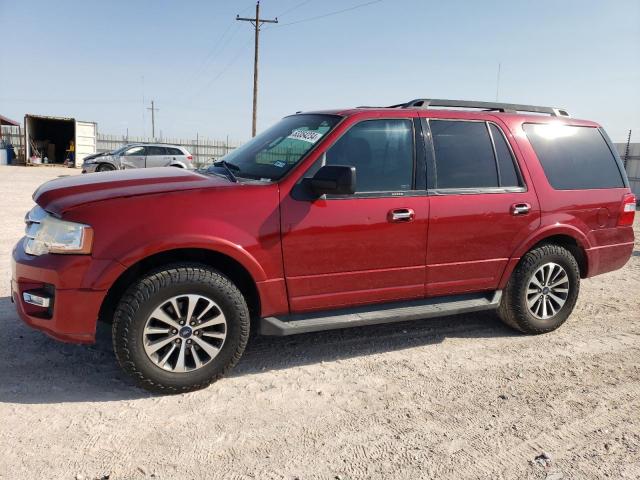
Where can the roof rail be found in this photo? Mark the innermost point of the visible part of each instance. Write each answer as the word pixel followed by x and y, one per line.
pixel 491 106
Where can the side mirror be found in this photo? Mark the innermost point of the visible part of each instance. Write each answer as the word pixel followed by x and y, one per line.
pixel 334 180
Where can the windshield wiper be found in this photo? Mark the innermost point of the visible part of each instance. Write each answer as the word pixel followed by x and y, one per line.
pixel 228 168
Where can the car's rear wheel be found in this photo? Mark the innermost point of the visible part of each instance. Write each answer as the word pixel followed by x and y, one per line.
pixel 105 167
pixel 542 290
pixel 180 328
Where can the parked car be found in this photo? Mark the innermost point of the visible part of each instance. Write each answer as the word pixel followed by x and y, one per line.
pixel 328 220
pixel 139 155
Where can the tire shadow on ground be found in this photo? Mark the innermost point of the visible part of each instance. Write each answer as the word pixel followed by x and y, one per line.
pixel 40 370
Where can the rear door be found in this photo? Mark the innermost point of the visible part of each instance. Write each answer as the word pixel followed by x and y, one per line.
pixel 174 155
pixel 482 205
pixel 157 156
pixel 134 157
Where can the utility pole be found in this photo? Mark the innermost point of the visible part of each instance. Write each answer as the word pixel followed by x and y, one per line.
pixel 153 119
pixel 257 23
pixel 626 150
pixel 498 82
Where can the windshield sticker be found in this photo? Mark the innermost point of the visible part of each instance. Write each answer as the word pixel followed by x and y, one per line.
pixel 306 136
pixel 279 164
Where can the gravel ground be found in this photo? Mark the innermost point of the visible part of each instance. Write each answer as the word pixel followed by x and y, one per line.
pixel 459 397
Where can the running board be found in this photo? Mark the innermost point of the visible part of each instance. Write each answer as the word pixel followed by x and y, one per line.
pixel 381 313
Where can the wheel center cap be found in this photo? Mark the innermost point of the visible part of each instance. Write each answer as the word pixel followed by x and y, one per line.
pixel 545 290
pixel 186 332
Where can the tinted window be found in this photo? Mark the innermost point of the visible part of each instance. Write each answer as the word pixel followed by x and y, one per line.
pixel 156 150
pixel 381 151
pixel 574 158
pixel 174 151
pixel 508 175
pixel 464 155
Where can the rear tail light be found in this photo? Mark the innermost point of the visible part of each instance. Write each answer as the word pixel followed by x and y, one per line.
pixel 628 210
pixel 189 157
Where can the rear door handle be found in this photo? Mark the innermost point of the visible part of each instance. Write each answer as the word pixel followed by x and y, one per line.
pixel 520 208
pixel 399 215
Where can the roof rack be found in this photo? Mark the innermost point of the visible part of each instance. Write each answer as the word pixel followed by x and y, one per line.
pixel 491 106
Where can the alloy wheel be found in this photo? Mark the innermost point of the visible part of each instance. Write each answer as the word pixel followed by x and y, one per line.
pixel 547 291
pixel 184 333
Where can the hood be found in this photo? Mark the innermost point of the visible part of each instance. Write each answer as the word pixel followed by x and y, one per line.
pixel 96 155
pixel 57 196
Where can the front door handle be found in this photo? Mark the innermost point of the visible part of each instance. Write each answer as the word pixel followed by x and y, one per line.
pixel 520 208
pixel 399 215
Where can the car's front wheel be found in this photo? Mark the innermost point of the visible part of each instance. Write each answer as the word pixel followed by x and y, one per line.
pixel 542 290
pixel 180 328
pixel 105 167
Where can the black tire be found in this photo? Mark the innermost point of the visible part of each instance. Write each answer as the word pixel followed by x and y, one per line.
pixel 514 310
pixel 146 294
pixel 105 167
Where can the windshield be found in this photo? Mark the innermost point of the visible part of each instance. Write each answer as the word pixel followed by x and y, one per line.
pixel 119 150
pixel 275 151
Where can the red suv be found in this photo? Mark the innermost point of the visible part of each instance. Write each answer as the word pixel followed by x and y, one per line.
pixel 328 220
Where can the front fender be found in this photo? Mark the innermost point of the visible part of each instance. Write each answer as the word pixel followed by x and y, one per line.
pixel 214 244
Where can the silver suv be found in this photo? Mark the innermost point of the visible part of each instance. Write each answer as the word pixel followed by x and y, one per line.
pixel 139 155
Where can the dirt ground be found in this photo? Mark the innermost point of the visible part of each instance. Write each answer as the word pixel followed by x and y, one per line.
pixel 458 397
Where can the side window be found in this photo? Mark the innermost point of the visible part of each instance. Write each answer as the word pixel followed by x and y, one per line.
pixel 506 165
pixel 381 151
pixel 574 158
pixel 153 150
pixel 174 151
pixel 135 152
pixel 464 155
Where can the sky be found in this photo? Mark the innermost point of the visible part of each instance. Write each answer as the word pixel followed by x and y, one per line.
pixel 104 61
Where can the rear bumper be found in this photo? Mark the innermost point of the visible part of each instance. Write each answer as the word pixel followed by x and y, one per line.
pixel 608 257
pixel 73 313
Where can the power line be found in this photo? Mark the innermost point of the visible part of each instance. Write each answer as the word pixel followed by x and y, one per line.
pixel 295 7
pixel 234 59
pixel 360 5
pixel 217 46
pixel 217 49
pixel 78 100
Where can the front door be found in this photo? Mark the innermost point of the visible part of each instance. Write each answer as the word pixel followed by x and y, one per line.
pixel 364 248
pixel 481 206
pixel 134 157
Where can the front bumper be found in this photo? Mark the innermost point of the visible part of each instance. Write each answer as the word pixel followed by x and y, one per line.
pixel 89 167
pixel 73 313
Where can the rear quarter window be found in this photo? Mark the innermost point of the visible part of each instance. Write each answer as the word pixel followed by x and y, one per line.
pixel 574 158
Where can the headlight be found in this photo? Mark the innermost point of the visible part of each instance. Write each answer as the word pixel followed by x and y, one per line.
pixel 47 234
